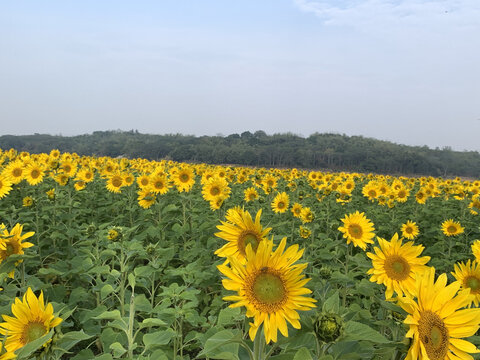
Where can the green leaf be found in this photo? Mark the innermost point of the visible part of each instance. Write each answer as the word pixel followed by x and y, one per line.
pixel 118 349
pixel 158 338
pixel 303 354
pixel 222 345
pixel 358 331
pixel 106 290
pixel 332 304
pixel 226 315
pixel 109 315
pixel 152 322
pixel 131 280
pixel 31 347
pixel 68 340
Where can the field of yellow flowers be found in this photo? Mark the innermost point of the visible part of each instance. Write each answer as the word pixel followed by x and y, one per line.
pixel 105 258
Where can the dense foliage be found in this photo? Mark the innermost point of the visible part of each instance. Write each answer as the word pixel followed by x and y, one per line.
pixel 130 258
pixel 317 151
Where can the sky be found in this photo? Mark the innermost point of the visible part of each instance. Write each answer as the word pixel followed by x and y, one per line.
pixel 405 71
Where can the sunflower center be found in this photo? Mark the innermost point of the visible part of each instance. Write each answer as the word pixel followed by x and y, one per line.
pixel 35 173
pixel 433 334
pixel 268 289
pixel 473 283
pixel 33 331
pixel 451 229
pixel 372 193
pixel 17 172
pixel 214 191
pixel 9 249
pixel 281 205
pixel 396 267
pixel 248 238
pixel 355 231
pixel 184 178
pixel 408 230
pixel 117 181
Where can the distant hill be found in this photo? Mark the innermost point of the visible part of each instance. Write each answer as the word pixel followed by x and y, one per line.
pixel 317 151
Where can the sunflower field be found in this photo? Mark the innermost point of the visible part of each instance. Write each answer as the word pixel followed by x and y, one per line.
pixel 104 258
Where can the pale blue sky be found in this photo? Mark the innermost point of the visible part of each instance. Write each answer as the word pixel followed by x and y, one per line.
pixel 405 70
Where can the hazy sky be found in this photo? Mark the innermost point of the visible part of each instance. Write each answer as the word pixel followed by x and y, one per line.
pixel 407 71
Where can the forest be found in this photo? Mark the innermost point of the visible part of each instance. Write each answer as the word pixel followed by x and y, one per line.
pixel 326 151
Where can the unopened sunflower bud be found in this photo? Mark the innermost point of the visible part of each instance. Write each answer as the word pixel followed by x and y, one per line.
pixel 325 272
pixel 328 327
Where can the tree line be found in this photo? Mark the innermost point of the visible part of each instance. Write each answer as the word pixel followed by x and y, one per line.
pixel 326 151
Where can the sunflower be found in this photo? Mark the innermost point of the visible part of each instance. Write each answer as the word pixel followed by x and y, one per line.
pixel 51 194
pixel 371 191
pixel 15 171
pixel 115 183
pixel 474 205
pixel 436 321
pixel 12 242
pixel 27 201
pixel 357 229
pixel 452 228
pixel 409 230
pixel 402 194
pixel 85 175
pixel 307 215
pixel 159 184
pixel 143 181
pixel 421 197
pixel 468 274
pixel 396 266
pixel 216 188
pixel 476 249
pixel 146 197
pixel 250 194
pixel 32 320
pixel 5 186
pixel 296 209
pixel 6 355
pixel 80 185
pixel 184 179
pixel 240 230
pixel 280 203
pixel 304 232
pixel 34 174
pixel 270 286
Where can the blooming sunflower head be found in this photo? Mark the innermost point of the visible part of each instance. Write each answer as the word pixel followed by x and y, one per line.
pixel 452 228
pixel 357 229
pixel 396 266
pixel 239 230
pixel 468 275
pixel 410 230
pixel 437 321
pixel 476 250
pixel 271 286
pixel 11 242
pixel 32 319
pixel 280 202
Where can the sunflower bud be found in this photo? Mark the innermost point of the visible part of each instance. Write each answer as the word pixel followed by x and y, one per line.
pixel 325 272
pixel 328 327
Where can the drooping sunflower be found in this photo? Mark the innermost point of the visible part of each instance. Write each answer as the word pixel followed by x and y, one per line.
pixel 27 201
pixel 31 320
pixel 409 230
pixel 270 286
pixel 240 230
pixel 437 321
pixel 474 205
pixel 357 229
pixel 468 274
pixel 452 228
pixel 396 266
pixel 304 232
pixel 307 215
pixel 146 197
pixel 250 194
pixel 280 202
